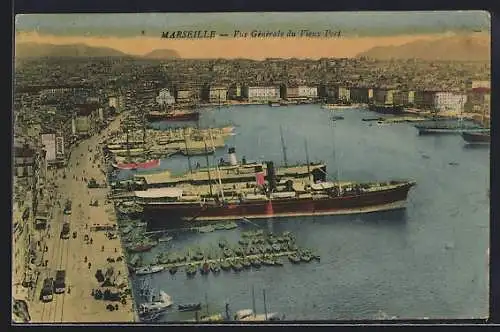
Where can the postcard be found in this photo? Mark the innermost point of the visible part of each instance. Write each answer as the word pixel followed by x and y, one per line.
pixel 251 167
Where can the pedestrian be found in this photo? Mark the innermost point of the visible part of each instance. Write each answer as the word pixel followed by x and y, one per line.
pixel 102 248
pixel 85 259
pixel 46 262
pixel 90 265
pixel 91 240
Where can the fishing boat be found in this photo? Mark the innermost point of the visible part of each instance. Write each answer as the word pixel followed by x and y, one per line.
pixel 305 257
pixel 205 268
pixel 228 252
pixel 277 262
pixel 149 269
pixel 191 270
pixel 225 265
pixel 256 262
pixel 294 258
pixel 140 247
pixel 335 106
pixel 246 263
pixel 237 267
pixel 164 302
pixel 151 317
pixel 268 261
pixel 214 267
pixel 337 117
pixel 206 229
pixel 189 307
pixel 165 239
pixel 386 109
pixel 276 247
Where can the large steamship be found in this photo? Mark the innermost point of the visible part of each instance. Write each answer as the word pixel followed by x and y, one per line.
pixel 270 195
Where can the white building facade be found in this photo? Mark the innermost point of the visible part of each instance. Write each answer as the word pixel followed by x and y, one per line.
pixel 449 102
pixel 307 91
pixel 262 93
pixel 165 98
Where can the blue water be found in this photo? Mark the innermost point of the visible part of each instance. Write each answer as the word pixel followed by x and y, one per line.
pixel 429 260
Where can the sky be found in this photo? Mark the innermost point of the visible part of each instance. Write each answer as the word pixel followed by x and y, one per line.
pixel 350 23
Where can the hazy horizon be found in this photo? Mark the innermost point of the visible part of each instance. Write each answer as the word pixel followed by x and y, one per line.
pixel 139 34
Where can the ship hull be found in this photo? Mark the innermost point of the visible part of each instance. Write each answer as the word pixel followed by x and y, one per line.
pixel 389 199
pixel 383 109
pixel 445 131
pixel 476 138
pixel 145 165
pixel 191 116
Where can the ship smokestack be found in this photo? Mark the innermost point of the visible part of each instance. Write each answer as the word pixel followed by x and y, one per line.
pixel 259 176
pixel 271 176
pixel 231 154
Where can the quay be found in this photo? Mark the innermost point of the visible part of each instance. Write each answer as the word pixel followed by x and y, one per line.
pixel 76 304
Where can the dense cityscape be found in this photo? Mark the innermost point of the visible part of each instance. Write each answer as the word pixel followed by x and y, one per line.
pixel 61 102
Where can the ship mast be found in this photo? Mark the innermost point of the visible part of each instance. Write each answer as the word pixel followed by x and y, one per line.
pixel 208 168
pixel 217 167
pixel 283 147
pixel 128 145
pixel 265 305
pixel 335 155
pixel 144 134
pixel 187 151
pixel 307 161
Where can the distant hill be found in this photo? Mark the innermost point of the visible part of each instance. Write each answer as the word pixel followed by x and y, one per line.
pixel 26 50
pixel 162 54
pixel 455 48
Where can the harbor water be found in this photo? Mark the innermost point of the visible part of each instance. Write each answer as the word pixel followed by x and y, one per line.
pixel 429 260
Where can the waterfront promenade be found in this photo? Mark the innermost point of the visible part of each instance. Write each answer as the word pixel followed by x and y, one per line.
pixel 77 304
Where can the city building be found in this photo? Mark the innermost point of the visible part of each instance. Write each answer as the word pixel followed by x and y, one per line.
pixel 116 102
pixel 261 93
pixel 186 95
pixel 335 93
pixel 84 121
pixel 478 100
pixel 384 96
pixel 217 94
pixel 449 101
pixel 24 160
pixel 234 92
pixel 405 98
pixel 361 95
pixel 424 100
pixel 165 98
pixel 474 84
pixel 295 92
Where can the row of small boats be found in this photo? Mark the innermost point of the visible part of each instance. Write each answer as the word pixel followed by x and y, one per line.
pixel 235 264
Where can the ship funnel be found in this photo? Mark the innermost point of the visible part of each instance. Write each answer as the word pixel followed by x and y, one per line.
pixel 271 176
pixel 231 153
